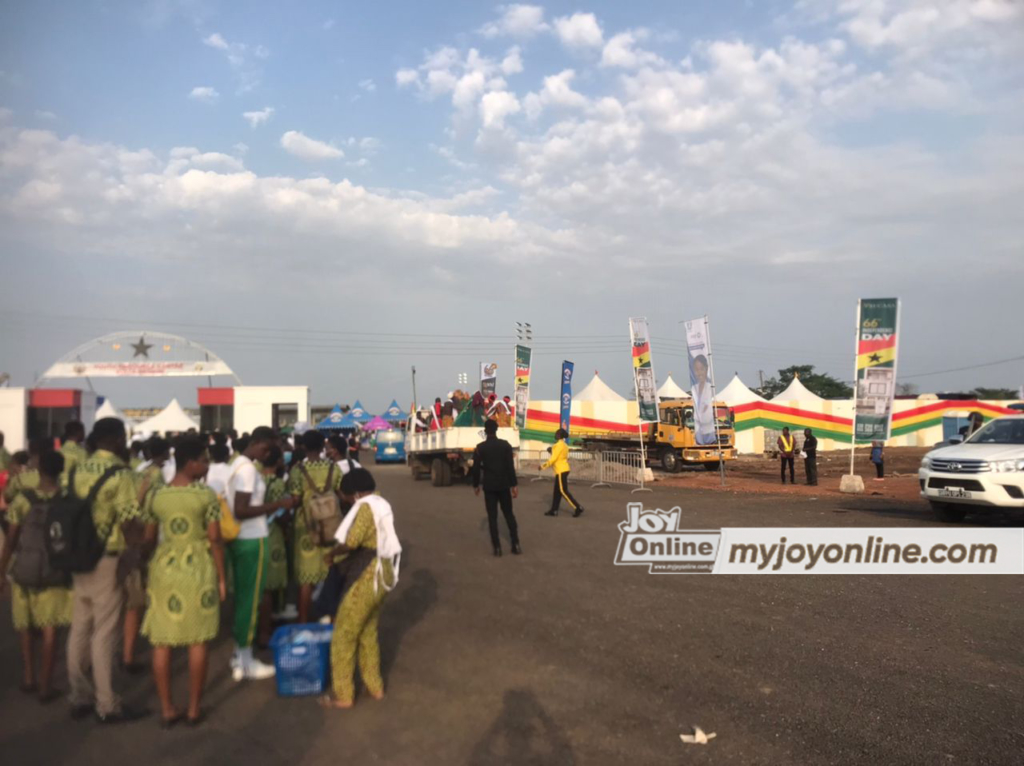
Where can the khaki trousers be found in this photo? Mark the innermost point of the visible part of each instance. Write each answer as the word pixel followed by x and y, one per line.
pixel 95 618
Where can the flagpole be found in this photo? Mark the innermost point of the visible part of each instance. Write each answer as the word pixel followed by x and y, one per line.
pixel 853 414
pixel 639 414
pixel 714 408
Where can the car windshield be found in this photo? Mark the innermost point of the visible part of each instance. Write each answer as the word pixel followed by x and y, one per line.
pixel 389 437
pixel 1006 431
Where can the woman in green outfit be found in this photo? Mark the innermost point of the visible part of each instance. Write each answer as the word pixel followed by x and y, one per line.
pixel 276 580
pixel 186 575
pixel 312 476
pixel 42 609
pixel 368 536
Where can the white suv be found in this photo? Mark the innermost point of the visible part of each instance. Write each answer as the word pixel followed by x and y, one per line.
pixel 985 470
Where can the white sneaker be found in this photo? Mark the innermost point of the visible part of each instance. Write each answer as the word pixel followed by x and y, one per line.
pixel 237 674
pixel 258 671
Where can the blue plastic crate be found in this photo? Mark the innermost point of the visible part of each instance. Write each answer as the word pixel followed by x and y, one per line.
pixel 302 659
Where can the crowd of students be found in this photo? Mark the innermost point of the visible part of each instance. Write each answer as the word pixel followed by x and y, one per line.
pixel 179 524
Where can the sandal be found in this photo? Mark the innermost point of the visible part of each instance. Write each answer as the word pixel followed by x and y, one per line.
pixel 328 702
pixel 193 722
pixel 167 723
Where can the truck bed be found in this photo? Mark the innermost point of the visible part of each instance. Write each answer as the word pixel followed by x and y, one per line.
pixel 454 440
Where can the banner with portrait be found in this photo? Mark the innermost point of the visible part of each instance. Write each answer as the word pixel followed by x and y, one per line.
pixel 488 378
pixel 698 352
pixel 565 399
pixel 522 388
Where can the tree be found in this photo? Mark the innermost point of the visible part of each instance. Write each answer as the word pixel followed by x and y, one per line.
pixel 993 393
pixel 820 383
pixel 906 389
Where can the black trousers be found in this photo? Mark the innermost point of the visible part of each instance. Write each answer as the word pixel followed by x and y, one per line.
pixel 880 469
pixel 811 469
pixel 504 499
pixel 562 490
pixel 788 460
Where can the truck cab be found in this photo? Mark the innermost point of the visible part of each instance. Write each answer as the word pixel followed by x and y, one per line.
pixel 674 442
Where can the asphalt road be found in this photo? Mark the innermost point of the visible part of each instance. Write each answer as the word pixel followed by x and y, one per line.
pixel 559 657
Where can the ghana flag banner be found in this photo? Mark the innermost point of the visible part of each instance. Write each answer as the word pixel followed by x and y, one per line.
pixel 877 337
pixel 522 389
pixel 643 370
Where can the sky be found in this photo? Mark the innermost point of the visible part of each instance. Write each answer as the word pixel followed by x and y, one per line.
pixel 330 193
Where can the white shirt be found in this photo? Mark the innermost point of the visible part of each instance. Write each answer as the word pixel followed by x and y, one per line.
pixel 245 478
pixel 217 478
pixel 343 466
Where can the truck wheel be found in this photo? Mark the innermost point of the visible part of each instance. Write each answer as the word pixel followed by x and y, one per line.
pixel 670 460
pixel 948 513
pixel 446 473
pixel 712 466
pixel 417 470
pixel 437 472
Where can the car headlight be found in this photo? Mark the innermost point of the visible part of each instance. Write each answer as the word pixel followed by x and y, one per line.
pixel 926 462
pixel 1007 466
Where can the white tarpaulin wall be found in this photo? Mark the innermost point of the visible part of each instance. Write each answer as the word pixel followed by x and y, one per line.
pixel 737 392
pixel 171 419
pixel 108 410
pixel 798 392
pixel 670 390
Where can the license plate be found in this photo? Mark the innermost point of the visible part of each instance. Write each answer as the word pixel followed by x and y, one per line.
pixel 958 492
pixel 390 451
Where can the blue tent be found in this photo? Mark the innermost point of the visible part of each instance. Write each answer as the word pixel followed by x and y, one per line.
pixel 358 414
pixel 394 414
pixel 334 421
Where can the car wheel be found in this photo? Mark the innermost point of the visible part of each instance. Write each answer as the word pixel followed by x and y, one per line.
pixel 947 513
pixel 670 460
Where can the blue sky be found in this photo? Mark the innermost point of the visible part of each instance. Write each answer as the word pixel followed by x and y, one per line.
pixel 436 171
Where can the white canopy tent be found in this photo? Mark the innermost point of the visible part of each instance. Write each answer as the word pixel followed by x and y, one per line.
pixel 797 392
pixel 737 392
pixel 597 391
pixel 108 410
pixel 670 390
pixel 171 418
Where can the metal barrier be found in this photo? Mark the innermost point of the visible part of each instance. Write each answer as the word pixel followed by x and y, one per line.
pixel 602 469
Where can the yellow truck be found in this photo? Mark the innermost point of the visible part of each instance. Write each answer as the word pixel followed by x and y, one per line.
pixel 670 442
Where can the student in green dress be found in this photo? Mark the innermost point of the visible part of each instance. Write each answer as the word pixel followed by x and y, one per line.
pixel 28 477
pixel 186 576
pixel 72 449
pixel 277 549
pixel 367 536
pixel 41 610
pixel 5 456
pixel 312 476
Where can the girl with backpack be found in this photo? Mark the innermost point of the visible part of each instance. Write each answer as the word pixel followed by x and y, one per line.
pixel 36 605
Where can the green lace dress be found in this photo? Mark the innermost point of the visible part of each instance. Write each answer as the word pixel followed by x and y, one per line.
pixel 182 599
pixel 34 608
pixel 277 547
pixel 310 567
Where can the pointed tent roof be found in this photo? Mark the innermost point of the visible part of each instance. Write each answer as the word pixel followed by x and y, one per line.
pixel 108 410
pixel 171 418
pixel 394 413
pixel 377 424
pixel 797 392
pixel 737 392
pixel 358 413
pixel 598 391
pixel 334 420
pixel 670 390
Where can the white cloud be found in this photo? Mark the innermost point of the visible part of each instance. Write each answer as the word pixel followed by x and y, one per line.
pixel 42 114
pixel 580 30
pixel 216 40
pixel 496 106
pixel 405 77
pixel 306 148
pixel 368 85
pixel 205 94
pixel 521 21
pixel 513 61
pixel 557 91
pixel 621 52
pixel 258 117
pixel 241 148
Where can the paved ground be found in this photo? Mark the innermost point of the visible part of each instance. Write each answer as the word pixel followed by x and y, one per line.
pixel 559 657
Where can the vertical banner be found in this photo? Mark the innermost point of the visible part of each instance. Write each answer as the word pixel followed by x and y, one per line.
pixel 522 389
pixel 643 370
pixel 565 410
pixel 488 378
pixel 877 337
pixel 698 352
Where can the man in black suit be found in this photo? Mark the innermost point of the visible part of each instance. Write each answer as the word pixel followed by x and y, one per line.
pixel 495 459
pixel 811 457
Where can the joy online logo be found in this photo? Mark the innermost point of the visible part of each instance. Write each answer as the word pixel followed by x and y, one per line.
pixel 652 538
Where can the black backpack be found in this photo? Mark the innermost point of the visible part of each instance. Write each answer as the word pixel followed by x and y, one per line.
pixel 32 567
pixel 72 541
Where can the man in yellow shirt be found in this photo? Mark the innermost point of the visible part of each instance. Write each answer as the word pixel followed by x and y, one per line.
pixel 560 461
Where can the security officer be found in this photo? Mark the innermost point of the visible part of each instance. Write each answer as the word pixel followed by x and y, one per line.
pixel 811 457
pixel 559 460
pixel 495 459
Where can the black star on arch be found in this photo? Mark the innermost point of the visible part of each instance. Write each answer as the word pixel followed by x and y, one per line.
pixel 141 348
pixel 874 358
